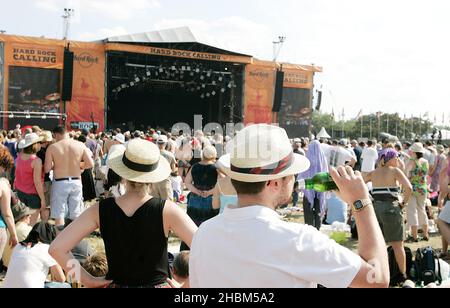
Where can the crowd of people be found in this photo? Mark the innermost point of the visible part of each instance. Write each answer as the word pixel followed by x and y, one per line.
pixel 59 187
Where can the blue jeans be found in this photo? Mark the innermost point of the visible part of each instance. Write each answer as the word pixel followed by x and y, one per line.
pixel 57 285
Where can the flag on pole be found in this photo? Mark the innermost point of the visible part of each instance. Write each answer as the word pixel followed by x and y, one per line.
pixel 360 114
pixel 332 113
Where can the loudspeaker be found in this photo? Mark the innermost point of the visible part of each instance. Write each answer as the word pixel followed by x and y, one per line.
pixel 67 76
pixel 319 100
pixel 278 92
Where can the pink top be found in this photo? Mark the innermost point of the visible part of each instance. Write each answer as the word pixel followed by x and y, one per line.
pixel 25 175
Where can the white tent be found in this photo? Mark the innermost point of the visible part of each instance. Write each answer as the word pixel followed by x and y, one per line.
pixel 323 134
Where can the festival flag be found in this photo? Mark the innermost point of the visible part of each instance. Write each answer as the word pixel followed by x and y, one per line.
pixel 360 114
pixel 332 113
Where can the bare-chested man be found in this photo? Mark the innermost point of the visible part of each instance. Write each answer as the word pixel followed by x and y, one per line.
pixel 67 158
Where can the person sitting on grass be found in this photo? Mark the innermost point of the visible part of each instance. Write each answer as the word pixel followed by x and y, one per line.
pixel 96 265
pixel 31 263
pixel 181 269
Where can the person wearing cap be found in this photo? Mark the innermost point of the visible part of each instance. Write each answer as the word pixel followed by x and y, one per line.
pixel 6 215
pixel 388 182
pixel 46 142
pixel 29 178
pixel 67 158
pixel 435 170
pixel 22 218
pixel 135 227
pixel 250 246
pixel 31 263
pixel 418 169
pixel 163 189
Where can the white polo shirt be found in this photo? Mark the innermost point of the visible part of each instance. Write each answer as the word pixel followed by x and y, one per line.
pixel 253 248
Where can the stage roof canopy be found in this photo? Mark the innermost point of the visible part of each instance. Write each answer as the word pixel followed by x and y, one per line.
pixel 176 38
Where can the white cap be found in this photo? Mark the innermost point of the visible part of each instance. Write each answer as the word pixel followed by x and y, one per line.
pixel 120 138
pixel 162 139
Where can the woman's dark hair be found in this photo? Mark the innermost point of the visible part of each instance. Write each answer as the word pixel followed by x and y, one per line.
pixel 42 232
pixel 82 138
pixel 181 264
pixel 32 149
pixel 419 155
pixel 113 179
pixel 6 159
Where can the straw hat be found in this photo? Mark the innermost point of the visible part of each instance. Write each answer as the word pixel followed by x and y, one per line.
pixel 20 210
pixel 29 140
pixel 47 136
pixel 140 162
pixel 417 148
pixel 262 153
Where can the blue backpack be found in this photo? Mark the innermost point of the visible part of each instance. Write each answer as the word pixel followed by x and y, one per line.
pixel 425 266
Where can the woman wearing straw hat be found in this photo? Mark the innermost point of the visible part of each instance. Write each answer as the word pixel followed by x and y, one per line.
pixel 418 169
pixel 135 227
pixel 29 179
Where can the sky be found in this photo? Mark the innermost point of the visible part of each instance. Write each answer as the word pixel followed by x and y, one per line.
pixel 389 56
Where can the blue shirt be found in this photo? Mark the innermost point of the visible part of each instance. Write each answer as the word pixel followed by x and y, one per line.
pixel 336 210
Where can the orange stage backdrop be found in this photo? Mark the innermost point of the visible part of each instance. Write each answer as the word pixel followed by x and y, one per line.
pixel 294 78
pixel 259 93
pixel 88 99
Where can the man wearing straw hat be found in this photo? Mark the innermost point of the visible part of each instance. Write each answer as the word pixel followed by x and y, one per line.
pixel 67 158
pixel 250 246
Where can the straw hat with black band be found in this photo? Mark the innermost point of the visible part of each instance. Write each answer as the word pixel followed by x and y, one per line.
pixel 247 163
pixel 140 162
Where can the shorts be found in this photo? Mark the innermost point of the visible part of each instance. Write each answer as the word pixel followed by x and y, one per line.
pixel 445 214
pixel 31 201
pixel 390 218
pixel 67 199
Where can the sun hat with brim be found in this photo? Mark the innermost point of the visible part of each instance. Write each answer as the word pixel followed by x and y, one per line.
pixel 417 148
pixel 140 162
pixel 20 211
pixel 119 138
pixel 29 140
pixel 261 153
pixel 47 136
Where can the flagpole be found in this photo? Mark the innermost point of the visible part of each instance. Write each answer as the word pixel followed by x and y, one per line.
pixel 404 124
pixel 362 123
pixel 387 121
pixel 370 127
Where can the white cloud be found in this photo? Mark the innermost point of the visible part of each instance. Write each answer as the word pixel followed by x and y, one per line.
pixel 49 5
pixel 232 33
pixel 113 9
pixel 101 34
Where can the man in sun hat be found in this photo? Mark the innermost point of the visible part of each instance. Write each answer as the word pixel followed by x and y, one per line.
pixel 249 246
pixel 67 158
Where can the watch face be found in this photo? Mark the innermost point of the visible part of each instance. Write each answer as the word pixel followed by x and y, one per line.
pixel 358 205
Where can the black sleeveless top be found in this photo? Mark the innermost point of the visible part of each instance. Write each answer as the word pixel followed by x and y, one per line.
pixel 204 176
pixel 136 247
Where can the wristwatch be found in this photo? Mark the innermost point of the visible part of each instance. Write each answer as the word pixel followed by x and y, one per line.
pixel 360 205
